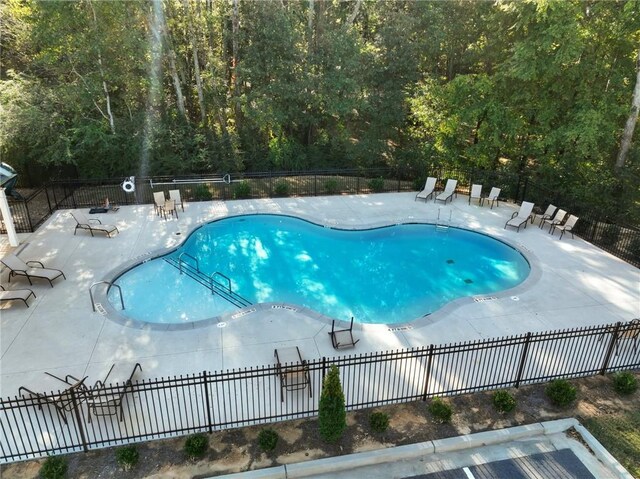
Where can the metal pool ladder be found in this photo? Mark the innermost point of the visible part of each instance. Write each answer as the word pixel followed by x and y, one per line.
pixel 217 282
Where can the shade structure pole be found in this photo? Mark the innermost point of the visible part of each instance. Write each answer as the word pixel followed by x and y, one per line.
pixel 8 219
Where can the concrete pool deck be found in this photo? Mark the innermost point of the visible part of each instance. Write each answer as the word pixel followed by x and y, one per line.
pixel 573 284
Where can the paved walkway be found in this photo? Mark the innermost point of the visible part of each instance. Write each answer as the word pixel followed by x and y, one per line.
pixel 572 284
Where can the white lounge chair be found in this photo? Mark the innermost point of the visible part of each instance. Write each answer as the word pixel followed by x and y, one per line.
pixel 493 196
pixel 449 191
pixel 520 217
pixel 557 219
pixel 175 196
pixel 429 188
pixel 17 267
pixel 476 194
pixel 84 223
pixel 548 214
pixel 568 226
pixel 16 294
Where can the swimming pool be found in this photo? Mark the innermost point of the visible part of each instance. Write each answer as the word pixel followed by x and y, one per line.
pixel 387 275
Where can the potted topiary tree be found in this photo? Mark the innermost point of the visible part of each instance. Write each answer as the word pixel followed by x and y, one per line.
pixel 332 414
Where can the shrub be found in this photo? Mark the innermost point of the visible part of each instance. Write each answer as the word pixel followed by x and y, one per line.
pixel 332 414
pixel 196 445
pixel 378 421
pixel 610 235
pixel 242 190
pixel 331 186
pixel 282 188
pixel 127 456
pixel 267 440
pixel 503 401
pixel 440 410
pixel 561 392
pixel 54 467
pixel 625 383
pixel 376 185
pixel 418 184
pixel 202 193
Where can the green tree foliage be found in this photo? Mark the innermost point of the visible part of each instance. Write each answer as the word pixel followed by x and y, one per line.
pixel 542 86
pixel 332 415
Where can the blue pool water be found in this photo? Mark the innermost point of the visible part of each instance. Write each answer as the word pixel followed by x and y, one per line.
pixel 386 275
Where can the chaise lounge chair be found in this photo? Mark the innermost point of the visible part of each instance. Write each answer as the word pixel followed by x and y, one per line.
pixel 342 338
pixel 64 401
pixel 476 194
pixel 548 214
pixel 15 294
pixel 557 219
pixel 493 196
pixel 293 370
pixel 449 191
pixel 107 400
pixel 520 217
pixel 84 223
pixel 429 189
pixel 568 226
pixel 17 267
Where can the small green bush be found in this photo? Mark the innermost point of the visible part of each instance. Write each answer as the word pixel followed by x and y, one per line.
pixel 376 185
pixel 332 413
pixel 54 467
pixel 418 184
pixel 378 421
pixel 331 186
pixel 561 392
pixel 196 445
pixel 625 382
pixel 610 235
pixel 440 410
pixel 282 188
pixel 503 401
pixel 202 193
pixel 242 190
pixel 127 456
pixel 267 440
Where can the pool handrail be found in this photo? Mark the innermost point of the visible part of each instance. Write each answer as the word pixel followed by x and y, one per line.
pixel 109 283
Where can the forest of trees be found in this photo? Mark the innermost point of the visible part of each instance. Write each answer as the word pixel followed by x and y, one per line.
pixel 112 88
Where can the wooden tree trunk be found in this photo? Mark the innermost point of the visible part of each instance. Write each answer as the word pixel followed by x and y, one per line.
pixel 235 25
pixel 171 54
pixel 627 134
pixel 196 63
pixel 105 88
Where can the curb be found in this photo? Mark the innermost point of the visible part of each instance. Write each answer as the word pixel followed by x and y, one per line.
pixel 412 451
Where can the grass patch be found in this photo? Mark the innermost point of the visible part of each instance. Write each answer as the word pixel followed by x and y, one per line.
pixel 620 435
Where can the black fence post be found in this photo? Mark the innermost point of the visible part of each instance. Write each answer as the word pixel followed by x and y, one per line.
pixel 46 192
pixel 428 373
pixel 324 370
pixel 76 410
pixel 523 360
pixel 610 348
pixel 206 401
pixel 26 207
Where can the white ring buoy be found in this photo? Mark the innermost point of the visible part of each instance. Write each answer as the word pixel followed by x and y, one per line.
pixel 128 185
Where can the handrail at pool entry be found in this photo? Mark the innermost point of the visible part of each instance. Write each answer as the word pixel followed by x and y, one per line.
pixel 180 261
pixel 218 273
pixel 93 305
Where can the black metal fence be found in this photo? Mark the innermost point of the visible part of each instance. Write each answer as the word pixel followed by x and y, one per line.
pixel 150 409
pixel 620 240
